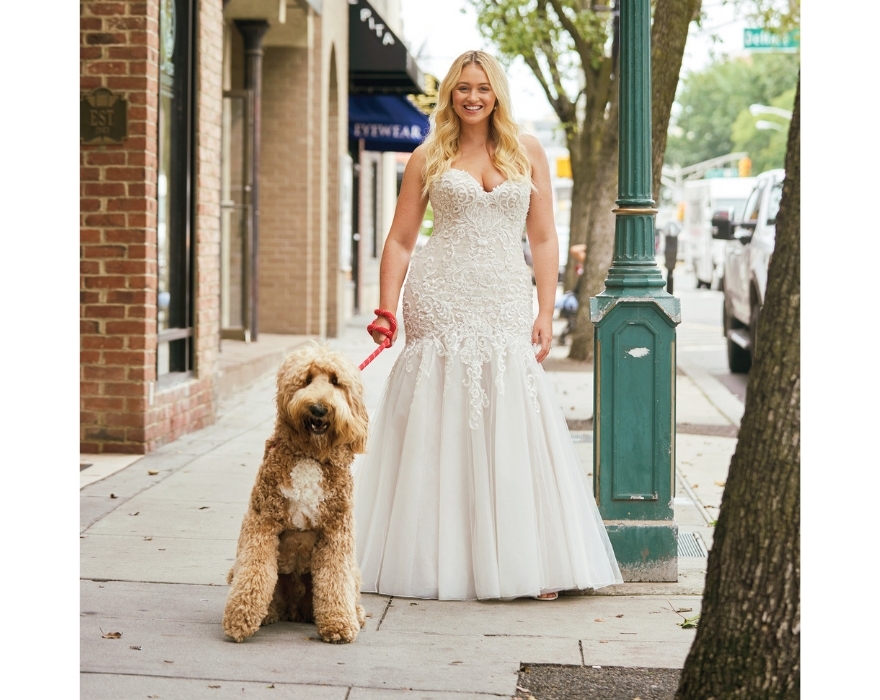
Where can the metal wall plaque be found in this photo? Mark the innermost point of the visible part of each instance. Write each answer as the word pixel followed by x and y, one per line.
pixel 103 117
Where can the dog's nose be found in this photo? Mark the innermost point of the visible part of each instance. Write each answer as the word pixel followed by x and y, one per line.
pixel 318 411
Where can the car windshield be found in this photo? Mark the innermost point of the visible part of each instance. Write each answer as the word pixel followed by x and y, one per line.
pixel 773 204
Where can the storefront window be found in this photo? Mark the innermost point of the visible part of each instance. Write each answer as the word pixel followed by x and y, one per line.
pixel 174 232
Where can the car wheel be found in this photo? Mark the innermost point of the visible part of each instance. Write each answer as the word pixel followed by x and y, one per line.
pixel 739 360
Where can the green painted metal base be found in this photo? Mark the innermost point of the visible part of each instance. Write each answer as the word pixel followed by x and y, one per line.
pixel 646 550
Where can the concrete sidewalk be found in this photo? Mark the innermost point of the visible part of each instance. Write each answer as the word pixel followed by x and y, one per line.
pixel 156 547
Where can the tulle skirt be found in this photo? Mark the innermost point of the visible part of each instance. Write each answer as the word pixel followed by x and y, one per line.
pixel 456 508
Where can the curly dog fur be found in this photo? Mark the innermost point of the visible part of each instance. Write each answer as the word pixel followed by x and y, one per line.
pixel 295 558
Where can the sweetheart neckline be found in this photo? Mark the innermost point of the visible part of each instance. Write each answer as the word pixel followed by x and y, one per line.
pixel 477 182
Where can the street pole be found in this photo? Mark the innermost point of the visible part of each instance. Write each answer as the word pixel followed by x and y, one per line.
pixel 635 360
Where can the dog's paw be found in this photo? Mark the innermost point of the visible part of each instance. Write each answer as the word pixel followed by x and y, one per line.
pixel 239 623
pixel 361 615
pixel 338 630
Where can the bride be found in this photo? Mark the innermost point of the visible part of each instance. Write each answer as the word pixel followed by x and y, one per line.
pixel 471 487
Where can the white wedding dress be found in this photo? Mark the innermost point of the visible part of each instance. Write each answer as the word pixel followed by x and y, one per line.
pixel 471 487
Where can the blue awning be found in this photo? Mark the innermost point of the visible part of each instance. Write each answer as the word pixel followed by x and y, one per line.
pixel 386 122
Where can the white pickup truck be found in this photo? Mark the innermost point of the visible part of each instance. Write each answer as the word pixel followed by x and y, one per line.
pixel 702 200
pixel 750 240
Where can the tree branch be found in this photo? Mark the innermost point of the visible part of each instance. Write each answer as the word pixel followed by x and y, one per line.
pixel 582 46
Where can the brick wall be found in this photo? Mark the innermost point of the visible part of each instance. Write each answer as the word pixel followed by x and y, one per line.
pixel 120 51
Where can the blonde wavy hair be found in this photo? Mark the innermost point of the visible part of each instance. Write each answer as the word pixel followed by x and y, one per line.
pixel 443 143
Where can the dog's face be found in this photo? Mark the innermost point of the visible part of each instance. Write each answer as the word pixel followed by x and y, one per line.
pixel 321 398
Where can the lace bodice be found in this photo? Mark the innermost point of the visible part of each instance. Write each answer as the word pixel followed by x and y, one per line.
pixel 468 292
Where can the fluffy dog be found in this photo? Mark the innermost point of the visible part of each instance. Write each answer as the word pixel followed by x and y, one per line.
pixel 295 558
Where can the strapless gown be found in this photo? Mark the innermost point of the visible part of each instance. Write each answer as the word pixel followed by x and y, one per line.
pixel 471 486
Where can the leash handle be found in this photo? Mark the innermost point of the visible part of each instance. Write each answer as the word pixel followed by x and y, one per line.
pixel 387 332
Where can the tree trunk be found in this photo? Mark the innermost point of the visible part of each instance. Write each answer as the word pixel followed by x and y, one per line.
pixel 599 234
pixel 672 19
pixel 748 641
pixel 668 36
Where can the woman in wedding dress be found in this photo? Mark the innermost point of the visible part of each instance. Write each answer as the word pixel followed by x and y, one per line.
pixel 471 487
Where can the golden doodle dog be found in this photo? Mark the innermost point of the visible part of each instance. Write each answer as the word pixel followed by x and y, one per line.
pixel 295 558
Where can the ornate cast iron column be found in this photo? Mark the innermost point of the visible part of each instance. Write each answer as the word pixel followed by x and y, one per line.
pixel 635 320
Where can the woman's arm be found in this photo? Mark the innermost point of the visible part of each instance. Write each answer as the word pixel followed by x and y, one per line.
pixel 544 244
pixel 396 253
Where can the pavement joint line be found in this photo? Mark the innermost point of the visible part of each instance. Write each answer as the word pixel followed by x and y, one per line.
pixel 160 583
pixel 695 498
pixel 709 385
pixel 290 683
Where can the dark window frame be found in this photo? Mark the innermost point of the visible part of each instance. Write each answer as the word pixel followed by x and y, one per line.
pixel 180 227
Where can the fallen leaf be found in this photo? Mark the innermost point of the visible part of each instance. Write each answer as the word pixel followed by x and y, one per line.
pixel 369 615
pixel 695 486
pixel 621 615
pixel 152 472
pixel 113 495
pixel 719 483
pixel 603 641
pixel 148 539
pixel 456 662
pixel 168 662
pixel 137 512
pixel 110 635
pixel 708 506
pixel 137 648
pixel 273 685
pixel 413 603
pixel 213 686
pixel 525 690
pixel 690 622
pixel 681 610
pixel 598 619
pixel 161 549
pixel 204 507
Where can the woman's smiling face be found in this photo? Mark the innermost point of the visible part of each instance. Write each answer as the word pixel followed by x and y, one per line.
pixel 473 98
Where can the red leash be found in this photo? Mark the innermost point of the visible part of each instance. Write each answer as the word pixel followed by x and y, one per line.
pixel 387 332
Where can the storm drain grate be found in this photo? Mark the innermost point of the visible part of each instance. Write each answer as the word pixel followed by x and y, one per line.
pixel 690 544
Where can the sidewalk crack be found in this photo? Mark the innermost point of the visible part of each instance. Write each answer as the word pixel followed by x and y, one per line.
pixel 581 648
pixel 384 613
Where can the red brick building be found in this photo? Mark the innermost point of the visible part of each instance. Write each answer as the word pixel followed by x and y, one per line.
pixel 216 212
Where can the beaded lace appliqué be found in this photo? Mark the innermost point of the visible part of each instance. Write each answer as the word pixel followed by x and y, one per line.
pixel 468 293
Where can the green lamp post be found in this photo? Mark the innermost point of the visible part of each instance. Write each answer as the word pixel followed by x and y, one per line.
pixel 635 320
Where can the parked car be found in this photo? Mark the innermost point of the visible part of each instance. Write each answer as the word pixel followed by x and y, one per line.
pixel 702 199
pixel 749 242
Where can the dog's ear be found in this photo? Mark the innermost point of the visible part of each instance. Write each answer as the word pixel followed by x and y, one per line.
pixel 360 420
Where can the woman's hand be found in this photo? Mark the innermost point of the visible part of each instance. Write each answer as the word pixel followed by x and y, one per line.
pixel 542 334
pixel 378 337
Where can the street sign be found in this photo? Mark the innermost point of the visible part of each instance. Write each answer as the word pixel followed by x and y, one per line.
pixel 766 40
pixel 722 172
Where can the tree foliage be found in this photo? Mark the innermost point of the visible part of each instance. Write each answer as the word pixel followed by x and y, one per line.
pixel 766 147
pixel 711 101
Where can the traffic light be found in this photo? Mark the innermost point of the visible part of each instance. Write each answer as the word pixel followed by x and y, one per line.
pixel 745 167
